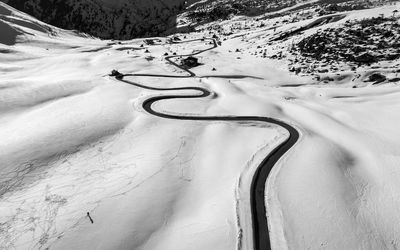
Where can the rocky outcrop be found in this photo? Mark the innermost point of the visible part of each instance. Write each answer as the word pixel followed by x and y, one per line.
pixel 362 42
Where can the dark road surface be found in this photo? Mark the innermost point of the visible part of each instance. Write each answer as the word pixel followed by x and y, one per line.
pixel 261 240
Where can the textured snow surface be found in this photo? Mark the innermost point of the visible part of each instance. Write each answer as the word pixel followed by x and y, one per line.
pixel 74 140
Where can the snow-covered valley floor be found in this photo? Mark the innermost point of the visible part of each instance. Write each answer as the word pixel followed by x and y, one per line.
pixel 76 141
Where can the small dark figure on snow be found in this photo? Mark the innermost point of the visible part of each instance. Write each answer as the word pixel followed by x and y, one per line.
pixel 90 218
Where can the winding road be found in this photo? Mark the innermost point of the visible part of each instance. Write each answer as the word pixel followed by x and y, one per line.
pixel 261 240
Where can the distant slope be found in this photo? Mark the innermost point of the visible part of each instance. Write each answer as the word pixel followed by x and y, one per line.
pixel 121 19
pixel 222 9
pixel 15 25
pixel 200 12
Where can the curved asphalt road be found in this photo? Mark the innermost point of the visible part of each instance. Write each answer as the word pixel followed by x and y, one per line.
pixel 259 219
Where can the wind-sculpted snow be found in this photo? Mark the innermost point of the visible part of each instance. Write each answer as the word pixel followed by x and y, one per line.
pixel 165 158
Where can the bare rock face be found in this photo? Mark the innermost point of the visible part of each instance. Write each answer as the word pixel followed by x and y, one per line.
pixel 123 19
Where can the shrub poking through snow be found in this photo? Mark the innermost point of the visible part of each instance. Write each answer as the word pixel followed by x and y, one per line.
pixel 190 62
pixel 376 78
pixel 116 74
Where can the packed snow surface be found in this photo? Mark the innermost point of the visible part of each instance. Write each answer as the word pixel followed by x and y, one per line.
pixel 83 166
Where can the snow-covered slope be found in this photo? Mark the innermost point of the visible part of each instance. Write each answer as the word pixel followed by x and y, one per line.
pixel 121 19
pixel 84 166
pixel 207 11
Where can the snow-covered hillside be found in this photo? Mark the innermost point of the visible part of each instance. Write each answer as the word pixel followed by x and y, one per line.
pixel 85 166
pixel 120 19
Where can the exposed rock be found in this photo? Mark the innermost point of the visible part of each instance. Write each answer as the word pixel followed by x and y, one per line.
pixel 376 78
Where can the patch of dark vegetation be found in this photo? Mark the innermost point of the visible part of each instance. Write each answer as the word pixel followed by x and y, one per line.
pixel 333 6
pixel 223 10
pixel 327 9
pixel 362 42
pixel 320 21
pixel 190 62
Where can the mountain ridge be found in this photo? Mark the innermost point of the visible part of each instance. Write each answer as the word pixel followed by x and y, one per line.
pixel 105 19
